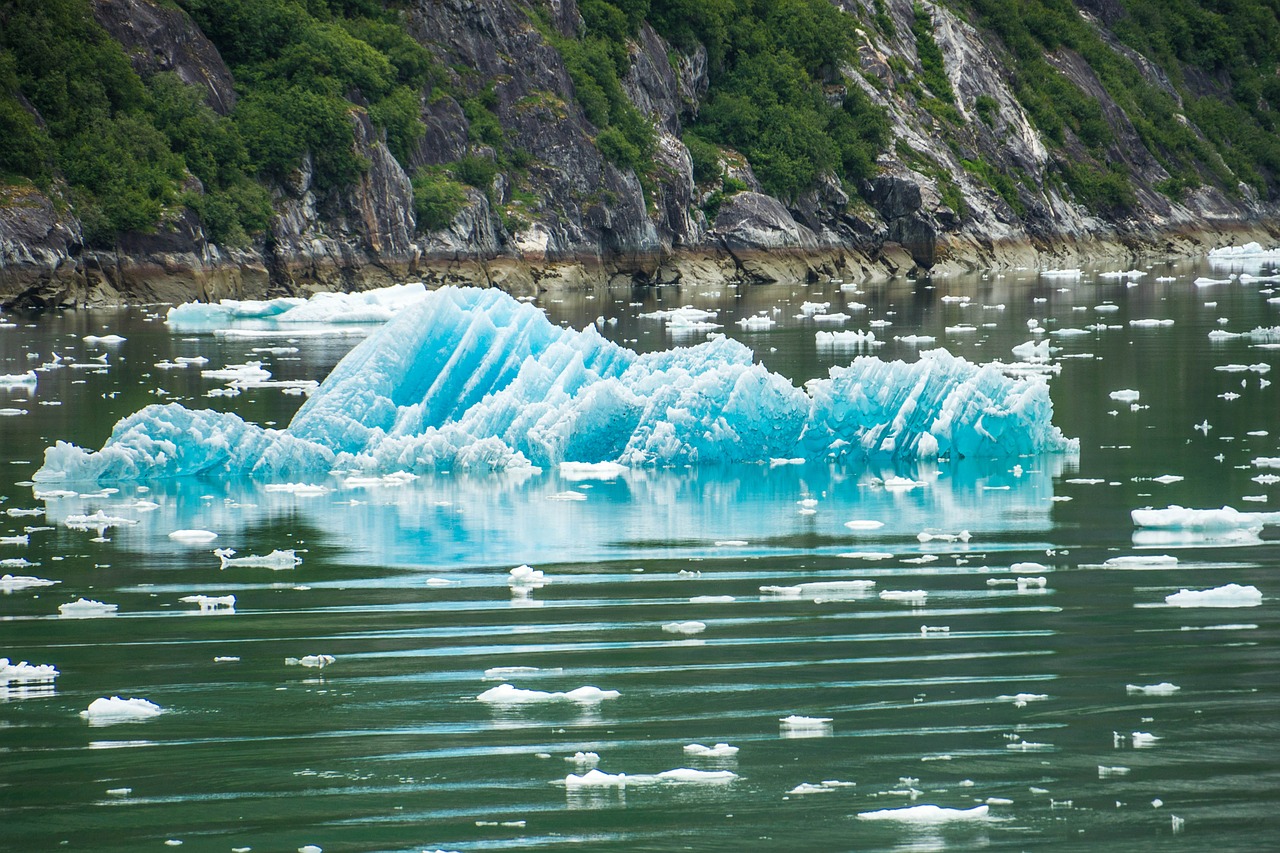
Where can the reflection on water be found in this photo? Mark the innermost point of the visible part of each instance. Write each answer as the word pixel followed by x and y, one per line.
pixel 968 641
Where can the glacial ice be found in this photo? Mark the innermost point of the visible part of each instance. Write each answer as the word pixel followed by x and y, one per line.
pixel 508 694
pixel 471 378
pixel 927 814
pixel 1230 595
pixel 1180 518
pixel 24 672
pixel 117 710
pixel 277 560
pixel 371 306
pixel 1164 688
pixel 10 583
pixel 720 750
pixel 682 775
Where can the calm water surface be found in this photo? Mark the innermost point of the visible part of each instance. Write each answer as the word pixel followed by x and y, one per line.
pixel 406 586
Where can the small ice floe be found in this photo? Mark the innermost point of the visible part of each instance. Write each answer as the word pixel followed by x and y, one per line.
pixel 12 379
pixel 907 596
pixel 311 661
pixel 934 631
pixel 15 540
pixel 26 673
pixel 97 521
pixel 193 537
pixel 1028 746
pixel 1204 281
pixel 927 814
pixel 1164 688
pixel 84 607
pixel 1062 273
pixel 1230 595
pixel 796 726
pixel 1104 771
pixel 926 536
pixel 440 582
pixel 525 579
pixel 211 602
pixel 584 759
pixel 497 673
pixel 119 792
pixel 1125 395
pixel 687 628
pixel 277 560
pixel 567 495
pixel 680 776
pixel 1181 518
pixel 825 787
pixel 306 490
pixel 1265 462
pixel 998 801
pixel 592 470
pixel 227 659
pixel 822 590
pixel 712 599
pixel 1141 740
pixel 901 483
pixel 508 694
pixel 16 563
pixel 11 583
pixel 757 323
pixel 720 750
pixel 1140 562
pixel 1033 350
pixel 116 710
pixel 847 340
pixel 864 524
pixel 1149 323
pixel 1020 700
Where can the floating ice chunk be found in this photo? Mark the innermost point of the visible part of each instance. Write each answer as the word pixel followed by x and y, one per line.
pixel 1028 746
pixel 1230 595
pixel 927 814
pixel 687 628
pixel 277 560
pixel 1143 739
pixel 470 378
pixel 103 339
pixel 526 577
pixel 822 590
pixel 1125 395
pixel 592 470
pixel 584 759
pixel 12 379
pixel 758 323
pixel 507 694
pixel 1033 351
pixel 302 489
pixel 211 602
pixel 720 750
pixel 847 340
pixel 97 521
pixel 934 631
pixel 1205 281
pixel 1248 250
pixel 500 672
pixel 909 596
pixel 1149 323
pixel 11 583
pixel 311 661
pixel 1104 771
pixel 864 524
pixel 117 710
pixel 1122 274
pixel 193 537
pixel 87 607
pixel 680 776
pixel 1143 561
pixel 1020 700
pixel 1164 688
pixel 796 726
pixel 1180 518
pixel 1266 462
pixel 926 536
pixel 712 599
pixel 1061 273
pixel 1166 479
pixel 23 672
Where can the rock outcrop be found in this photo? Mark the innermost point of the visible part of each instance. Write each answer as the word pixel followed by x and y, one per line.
pixel 566 215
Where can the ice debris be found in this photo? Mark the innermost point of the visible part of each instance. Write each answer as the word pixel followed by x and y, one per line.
pixel 23 672
pixel 681 775
pixel 193 537
pixel 211 602
pixel 1230 595
pixel 86 607
pixel 10 583
pixel 720 750
pixel 1181 518
pixel 686 628
pixel 1164 688
pixel 276 560
pixel 117 710
pixel 507 694
pixel 927 814
pixel 311 661
pixel 472 378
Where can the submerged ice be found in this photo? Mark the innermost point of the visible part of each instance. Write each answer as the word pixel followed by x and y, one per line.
pixel 470 378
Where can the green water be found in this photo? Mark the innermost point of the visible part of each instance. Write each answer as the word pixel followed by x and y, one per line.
pixel 406 586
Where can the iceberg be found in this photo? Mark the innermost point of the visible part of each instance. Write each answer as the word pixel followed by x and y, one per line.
pixel 116 710
pixel 1230 595
pixel 1180 518
pixel 370 306
pixel 465 378
pixel 927 814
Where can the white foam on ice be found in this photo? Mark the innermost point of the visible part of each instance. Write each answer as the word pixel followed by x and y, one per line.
pixel 1230 595
pixel 508 694
pixel 473 379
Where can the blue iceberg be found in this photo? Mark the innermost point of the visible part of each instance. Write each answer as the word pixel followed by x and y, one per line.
pixel 469 378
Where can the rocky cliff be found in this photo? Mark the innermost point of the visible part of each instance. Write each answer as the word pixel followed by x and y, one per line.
pixel 968 179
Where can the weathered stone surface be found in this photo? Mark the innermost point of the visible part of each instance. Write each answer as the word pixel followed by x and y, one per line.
pixel 162 38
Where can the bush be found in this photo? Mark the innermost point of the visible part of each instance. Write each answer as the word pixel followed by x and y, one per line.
pixel 436 200
pixel 705 157
pixel 478 172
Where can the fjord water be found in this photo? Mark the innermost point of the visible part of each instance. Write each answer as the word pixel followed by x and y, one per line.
pixel 406 584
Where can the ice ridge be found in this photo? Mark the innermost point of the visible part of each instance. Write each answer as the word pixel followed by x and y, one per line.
pixel 471 378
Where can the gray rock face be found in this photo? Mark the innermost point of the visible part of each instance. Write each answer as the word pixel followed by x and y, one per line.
pixel 163 38
pixel 38 248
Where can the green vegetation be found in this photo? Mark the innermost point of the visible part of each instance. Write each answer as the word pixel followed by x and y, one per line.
pixel 769 67
pixel 437 199
pixel 930 56
pixel 127 146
